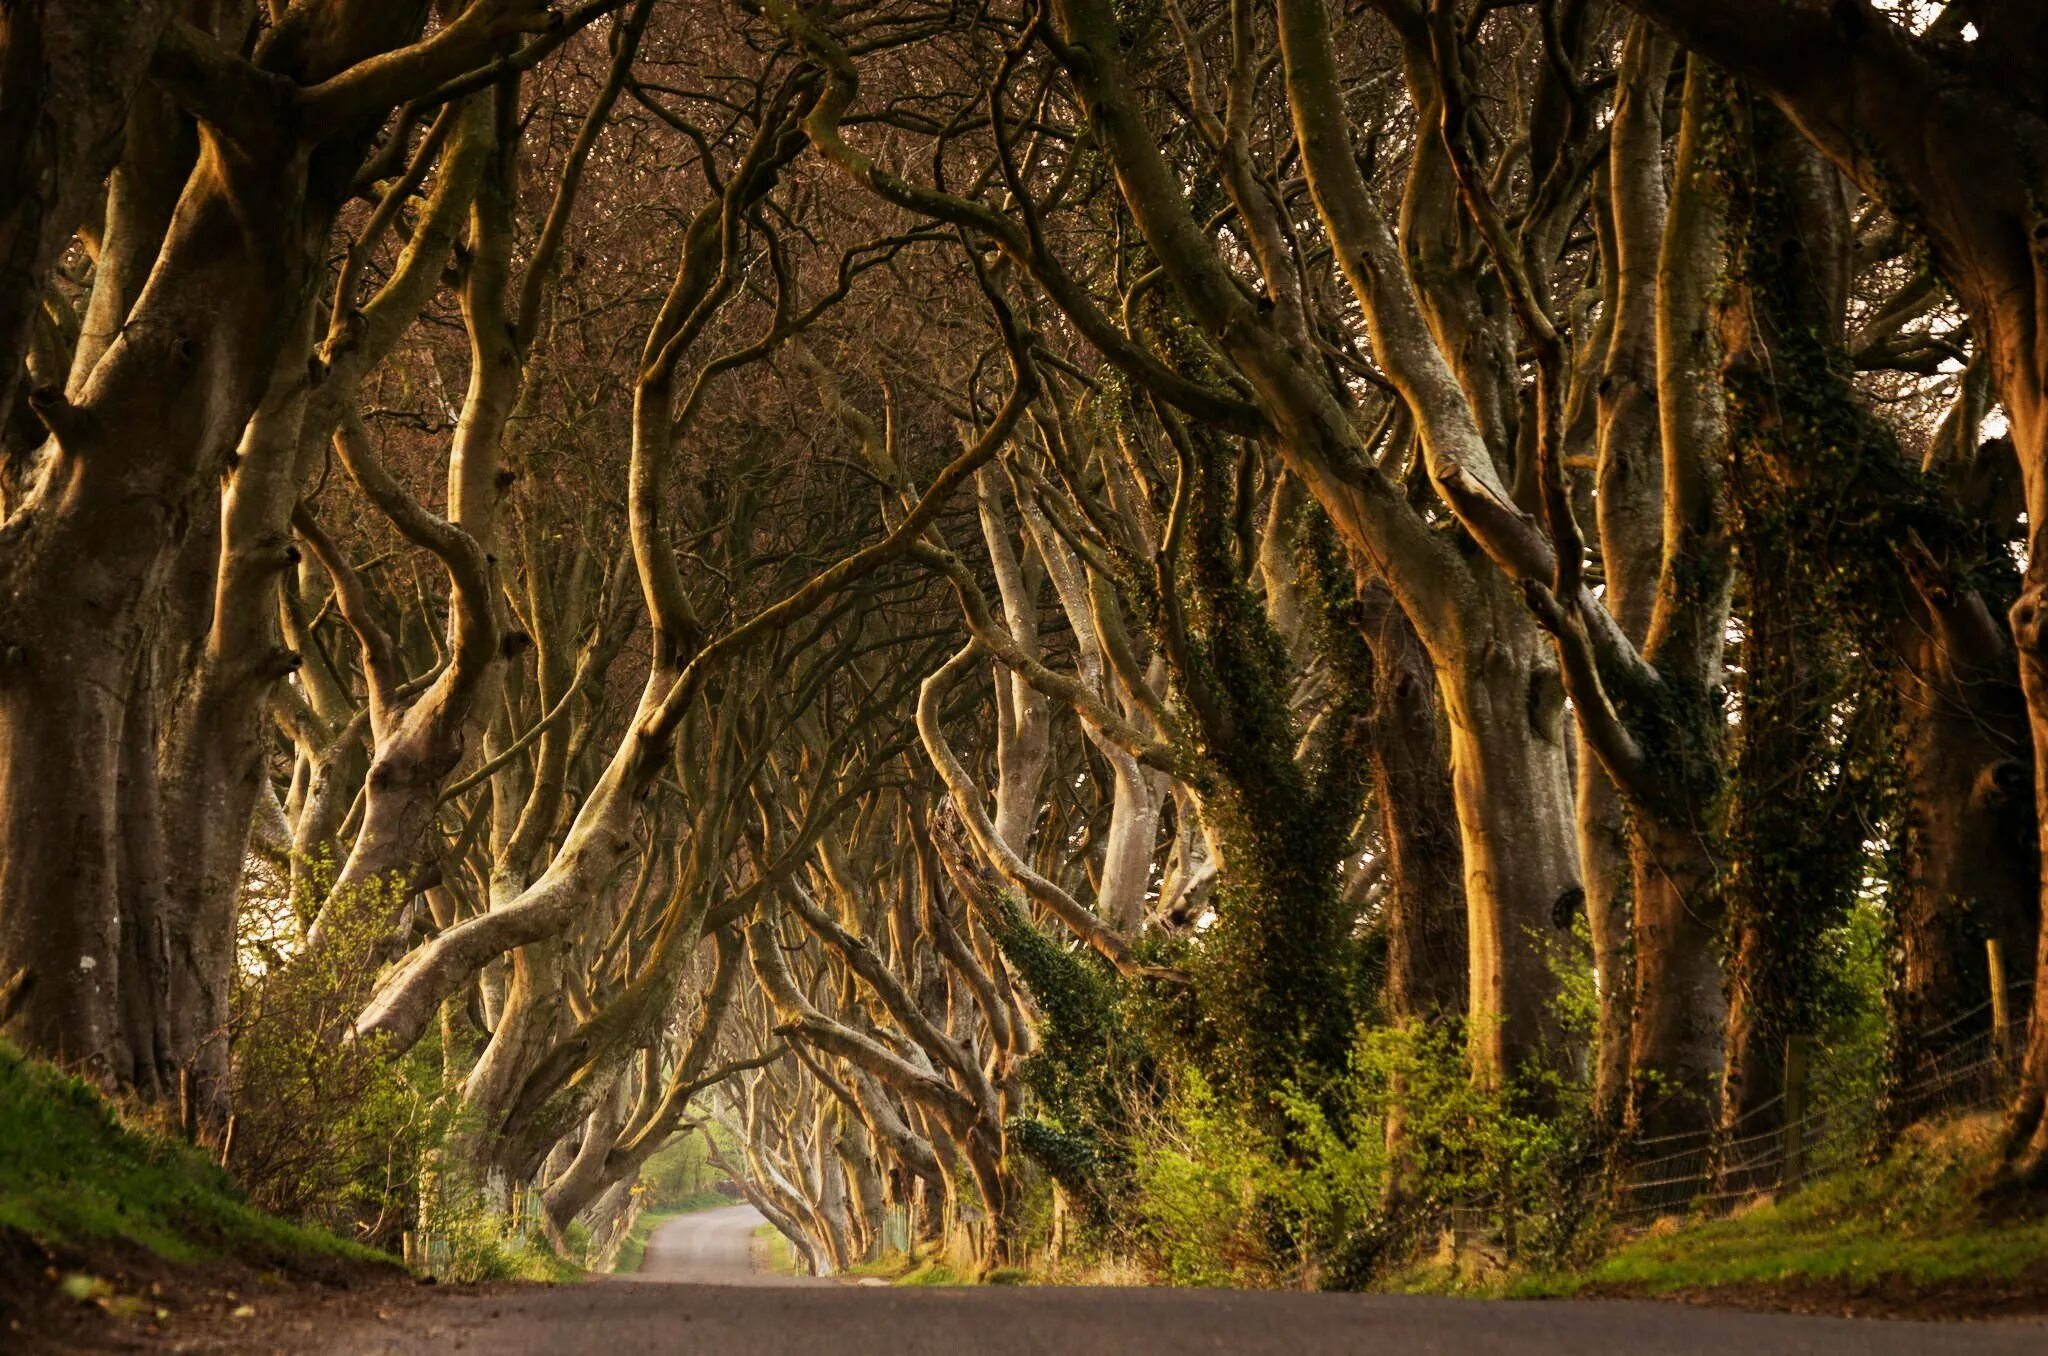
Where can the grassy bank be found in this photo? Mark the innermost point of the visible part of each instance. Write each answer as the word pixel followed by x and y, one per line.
pixel 772 1252
pixel 1903 1236
pixel 72 1175
pixel 104 1226
pixel 1906 1236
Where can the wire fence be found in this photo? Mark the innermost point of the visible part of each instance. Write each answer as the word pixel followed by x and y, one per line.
pixel 1966 1064
pixel 1833 1114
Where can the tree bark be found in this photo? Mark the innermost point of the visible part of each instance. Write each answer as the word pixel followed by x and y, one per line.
pixel 1956 144
pixel 1515 820
pixel 68 74
pixel 1427 965
pixel 135 448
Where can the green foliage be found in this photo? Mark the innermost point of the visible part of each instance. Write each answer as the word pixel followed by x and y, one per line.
pixel 71 1172
pixel 680 1177
pixel 1203 1178
pixel 462 1227
pixel 1577 1000
pixel 1162 1161
pixel 328 1127
pixel 1071 1158
pixel 1078 1024
pixel 1087 1070
pixel 1218 1200
pixel 1853 969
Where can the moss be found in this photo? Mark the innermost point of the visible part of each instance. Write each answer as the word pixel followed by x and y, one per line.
pixel 72 1173
pixel 934 1271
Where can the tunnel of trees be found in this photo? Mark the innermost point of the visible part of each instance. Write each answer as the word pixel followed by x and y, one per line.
pixel 1197 630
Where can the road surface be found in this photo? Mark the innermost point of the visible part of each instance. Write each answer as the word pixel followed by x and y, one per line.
pixel 707 1247
pixel 699 1294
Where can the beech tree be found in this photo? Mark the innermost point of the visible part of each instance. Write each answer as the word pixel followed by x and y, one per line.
pixel 961 597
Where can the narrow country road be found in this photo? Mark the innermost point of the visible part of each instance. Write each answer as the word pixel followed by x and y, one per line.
pixel 698 1293
pixel 707 1247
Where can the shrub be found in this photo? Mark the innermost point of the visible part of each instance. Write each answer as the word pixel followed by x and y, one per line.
pixel 1219 1201
pixel 327 1127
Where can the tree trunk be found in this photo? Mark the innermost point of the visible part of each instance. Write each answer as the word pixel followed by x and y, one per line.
pixel 133 451
pixel 152 1051
pixel 1610 921
pixel 1794 834
pixel 1971 860
pixel 1959 153
pixel 2027 1146
pixel 1515 823
pixel 68 72
pixel 1426 959
pixel 211 759
pixel 1675 1048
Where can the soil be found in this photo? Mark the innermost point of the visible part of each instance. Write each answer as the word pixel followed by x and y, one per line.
pixel 124 1299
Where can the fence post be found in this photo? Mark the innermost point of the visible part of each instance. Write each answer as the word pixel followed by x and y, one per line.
pixel 2001 1014
pixel 188 1106
pixel 1798 1053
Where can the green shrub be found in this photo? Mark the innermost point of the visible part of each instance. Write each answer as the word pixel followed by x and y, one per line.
pixel 1205 1179
pixel 680 1176
pixel 327 1127
pixel 1219 1201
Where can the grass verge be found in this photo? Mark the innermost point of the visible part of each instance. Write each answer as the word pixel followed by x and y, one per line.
pixel 1906 1236
pixel 109 1233
pixel 772 1252
pixel 71 1173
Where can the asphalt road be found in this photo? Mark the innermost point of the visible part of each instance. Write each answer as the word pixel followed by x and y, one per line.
pixel 707 1247
pixel 698 1294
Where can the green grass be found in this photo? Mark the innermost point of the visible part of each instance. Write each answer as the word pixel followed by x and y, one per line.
pixel 71 1173
pixel 1910 1221
pixel 781 1259
pixel 534 1262
pixel 934 1271
pixel 930 1265
pixel 890 1266
pixel 633 1247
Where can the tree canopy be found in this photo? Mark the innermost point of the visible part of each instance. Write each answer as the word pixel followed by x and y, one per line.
pixel 1025 608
